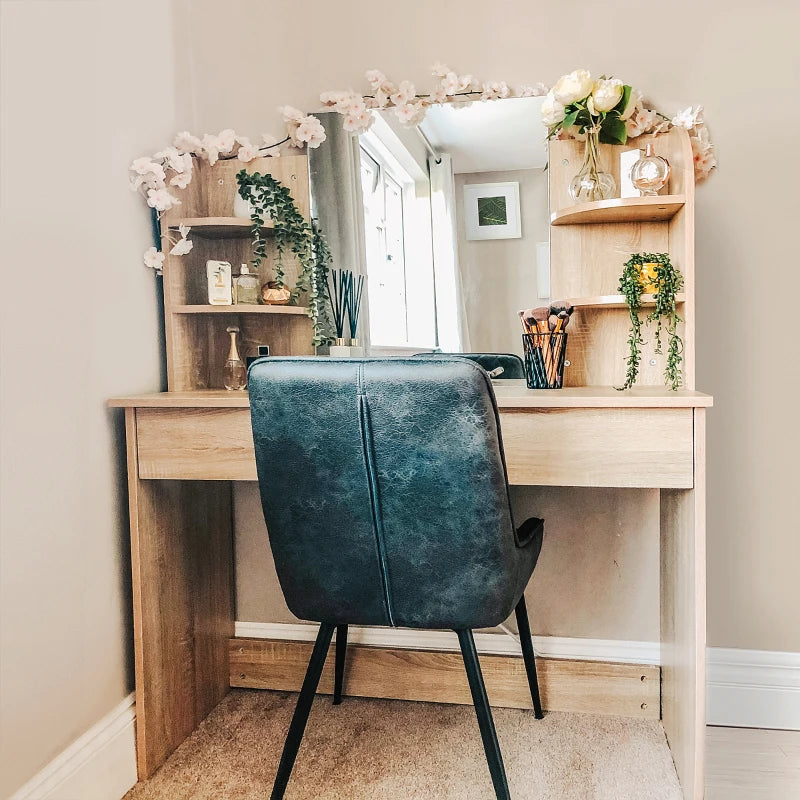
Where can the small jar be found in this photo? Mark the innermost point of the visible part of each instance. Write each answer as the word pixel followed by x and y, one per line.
pixel 247 288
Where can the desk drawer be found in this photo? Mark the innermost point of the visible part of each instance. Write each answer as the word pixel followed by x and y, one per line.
pixel 625 447
pixel 630 447
pixel 211 444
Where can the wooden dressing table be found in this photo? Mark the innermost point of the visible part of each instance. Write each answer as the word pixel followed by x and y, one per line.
pixel 185 447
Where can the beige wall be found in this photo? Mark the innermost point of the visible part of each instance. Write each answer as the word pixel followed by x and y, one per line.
pixel 86 86
pixel 741 61
pixel 498 276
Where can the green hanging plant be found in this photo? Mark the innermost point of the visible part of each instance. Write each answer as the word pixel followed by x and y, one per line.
pixel 668 282
pixel 270 199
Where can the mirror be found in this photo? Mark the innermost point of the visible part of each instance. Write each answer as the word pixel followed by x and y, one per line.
pixel 448 220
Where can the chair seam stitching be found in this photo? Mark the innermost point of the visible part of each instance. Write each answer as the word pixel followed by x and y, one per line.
pixel 372 483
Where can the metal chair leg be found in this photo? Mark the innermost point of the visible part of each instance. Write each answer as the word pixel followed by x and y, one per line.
pixel 301 712
pixel 490 744
pixel 524 629
pixel 341 654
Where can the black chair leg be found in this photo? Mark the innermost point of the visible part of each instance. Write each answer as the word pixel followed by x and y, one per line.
pixel 490 744
pixel 341 654
pixel 524 629
pixel 301 712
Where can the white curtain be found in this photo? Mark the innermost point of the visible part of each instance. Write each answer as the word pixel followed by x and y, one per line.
pixel 451 315
pixel 337 203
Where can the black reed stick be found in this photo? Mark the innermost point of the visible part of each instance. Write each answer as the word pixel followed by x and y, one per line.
pixel 356 289
pixel 337 294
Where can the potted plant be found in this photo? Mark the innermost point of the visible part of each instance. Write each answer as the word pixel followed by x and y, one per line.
pixel 270 199
pixel 653 271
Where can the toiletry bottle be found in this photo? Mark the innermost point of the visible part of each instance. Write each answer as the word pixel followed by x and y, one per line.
pixel 219 283
pixel 235 375
pixel 247 287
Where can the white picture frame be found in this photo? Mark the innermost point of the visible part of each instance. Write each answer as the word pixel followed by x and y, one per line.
pixel 498 202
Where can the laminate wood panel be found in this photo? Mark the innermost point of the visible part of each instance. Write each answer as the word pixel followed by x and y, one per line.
pixel 196 444
pixel 683 621
pixel 510 394
pixel 579 686
pixel 182 563
pixel 632 447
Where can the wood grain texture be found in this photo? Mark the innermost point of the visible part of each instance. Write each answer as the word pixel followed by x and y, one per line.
pixel 645 448
pixel 590 243
pixel 648 448
pixel 683 621
pixel 510 394
pixel 197 344
pixel 620 209
pixel 578 686
pixel 196 444
pixel 182 565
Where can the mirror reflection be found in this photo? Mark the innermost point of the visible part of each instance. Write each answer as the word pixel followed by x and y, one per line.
pixel 448 220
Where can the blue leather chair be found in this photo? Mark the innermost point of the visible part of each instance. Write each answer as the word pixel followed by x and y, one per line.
pixel 384 490
pixel 513 366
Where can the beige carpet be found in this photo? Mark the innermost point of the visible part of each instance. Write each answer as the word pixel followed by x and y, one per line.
pixel 381 749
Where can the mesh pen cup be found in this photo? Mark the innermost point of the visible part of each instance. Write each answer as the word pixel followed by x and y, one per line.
pixel 544 359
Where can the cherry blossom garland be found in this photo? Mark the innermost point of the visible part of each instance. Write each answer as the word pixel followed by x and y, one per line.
pixel 152 176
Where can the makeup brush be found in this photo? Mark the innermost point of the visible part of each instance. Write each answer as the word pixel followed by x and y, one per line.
pixel 541 317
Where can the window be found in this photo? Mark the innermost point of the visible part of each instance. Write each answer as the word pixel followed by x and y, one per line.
pixel 397 233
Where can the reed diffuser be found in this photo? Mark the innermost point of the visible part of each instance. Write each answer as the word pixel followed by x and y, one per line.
pixel 344 292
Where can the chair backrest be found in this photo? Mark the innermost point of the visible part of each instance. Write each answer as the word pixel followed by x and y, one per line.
pixel 513 366
pixel 384 490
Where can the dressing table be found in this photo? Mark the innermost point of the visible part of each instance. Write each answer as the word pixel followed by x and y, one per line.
pixel 186 446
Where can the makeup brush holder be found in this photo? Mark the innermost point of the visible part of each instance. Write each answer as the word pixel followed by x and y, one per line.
pixel 544 359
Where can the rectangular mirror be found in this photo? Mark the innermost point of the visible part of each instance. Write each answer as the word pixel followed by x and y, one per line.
pixel 448 220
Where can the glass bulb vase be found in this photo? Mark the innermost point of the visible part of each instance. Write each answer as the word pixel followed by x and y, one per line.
pixel 590 184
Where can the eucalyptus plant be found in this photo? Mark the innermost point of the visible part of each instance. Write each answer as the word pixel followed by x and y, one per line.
pixel 669 282
pixel 270 199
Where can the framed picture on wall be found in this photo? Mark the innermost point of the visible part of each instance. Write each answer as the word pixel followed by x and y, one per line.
pixel 491 211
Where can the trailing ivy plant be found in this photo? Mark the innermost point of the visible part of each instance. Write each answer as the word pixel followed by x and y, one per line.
pixel 270 199
pixel 669 282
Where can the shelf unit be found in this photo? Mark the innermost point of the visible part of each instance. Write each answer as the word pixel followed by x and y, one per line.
pixel 197 342
pixel 589 244
pixel 617 300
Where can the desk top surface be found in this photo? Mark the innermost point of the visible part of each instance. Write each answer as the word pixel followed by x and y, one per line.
pixel 511 394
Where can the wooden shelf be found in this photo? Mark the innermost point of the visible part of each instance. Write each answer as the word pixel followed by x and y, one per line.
pixel 218 227
pixel 621 209
pixel 616 301
pixel 239 309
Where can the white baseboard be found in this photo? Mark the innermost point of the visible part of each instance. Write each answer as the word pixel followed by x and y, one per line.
pixel 100 765
pixel 489 643
pixel 753 688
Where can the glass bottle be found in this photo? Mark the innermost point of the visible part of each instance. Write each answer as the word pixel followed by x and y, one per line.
pixel 235 376
pixel 247 288
pixel 650 173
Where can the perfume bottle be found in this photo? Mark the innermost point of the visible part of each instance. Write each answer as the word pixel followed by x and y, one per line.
pixel 650 173
pixel 235 376
pixel 247 288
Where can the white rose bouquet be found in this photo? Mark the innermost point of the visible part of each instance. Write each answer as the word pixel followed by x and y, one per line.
pixel 578 104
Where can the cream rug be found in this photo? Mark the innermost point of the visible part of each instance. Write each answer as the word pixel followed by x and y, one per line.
pixel 380 749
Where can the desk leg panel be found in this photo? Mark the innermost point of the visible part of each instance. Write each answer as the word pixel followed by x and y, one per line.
pixel 683 621
pixel 182 561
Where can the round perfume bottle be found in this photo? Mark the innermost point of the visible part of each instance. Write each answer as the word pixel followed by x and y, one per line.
pixel 650 173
